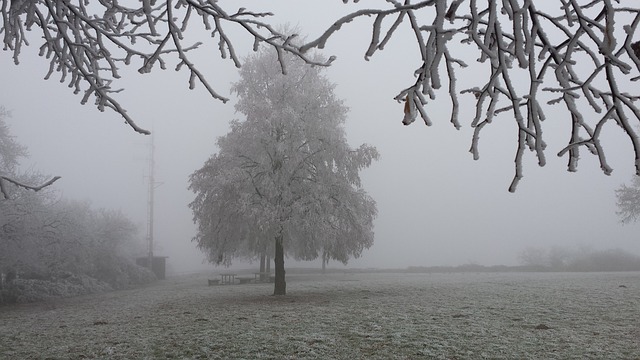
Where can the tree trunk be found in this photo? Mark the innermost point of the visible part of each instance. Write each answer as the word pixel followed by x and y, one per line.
pixel 263 257
pixel 280 287
pixel 324 262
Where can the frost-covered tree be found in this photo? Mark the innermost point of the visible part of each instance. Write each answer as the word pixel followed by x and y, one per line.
pixel 628 201
pixel 581 55
pixel 42 234
pixel 10 154
pixel 10 150
pixel 22 226
pixel 285 180
pixel 19 231
pixel 45 237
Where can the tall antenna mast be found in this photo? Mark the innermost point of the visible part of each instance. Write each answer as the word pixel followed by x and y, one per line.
pixel 152 186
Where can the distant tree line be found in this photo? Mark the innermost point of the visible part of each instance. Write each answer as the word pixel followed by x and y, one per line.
pixel 559 258
pixel 55 247
pixel 555 258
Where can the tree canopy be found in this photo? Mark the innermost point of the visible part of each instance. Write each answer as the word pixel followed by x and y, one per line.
pixel 628 201
pixel 285 180
pixel 581 55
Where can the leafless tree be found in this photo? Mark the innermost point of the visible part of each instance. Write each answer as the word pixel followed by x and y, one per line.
pixel 584 53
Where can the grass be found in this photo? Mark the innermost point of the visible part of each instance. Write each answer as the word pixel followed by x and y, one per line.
pixel 341 316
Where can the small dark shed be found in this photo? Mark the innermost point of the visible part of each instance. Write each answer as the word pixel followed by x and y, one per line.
pixel 158 265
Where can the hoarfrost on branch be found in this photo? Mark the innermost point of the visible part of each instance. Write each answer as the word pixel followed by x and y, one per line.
pixel 86 42
pixel 586 49
pixel 580 55
pixel 10 153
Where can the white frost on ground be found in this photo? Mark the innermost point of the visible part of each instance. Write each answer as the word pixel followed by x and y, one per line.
pixel 341 316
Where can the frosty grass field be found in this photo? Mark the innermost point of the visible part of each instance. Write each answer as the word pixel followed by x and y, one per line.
pixel 341 316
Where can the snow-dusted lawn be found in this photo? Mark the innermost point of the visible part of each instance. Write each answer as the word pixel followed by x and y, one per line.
pixel 341 316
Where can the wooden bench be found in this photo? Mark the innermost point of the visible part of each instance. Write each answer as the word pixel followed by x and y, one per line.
pixel 227 279
pixel 244 280
pixel 214 282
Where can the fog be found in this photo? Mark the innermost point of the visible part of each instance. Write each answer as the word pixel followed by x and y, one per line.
pixel 437 206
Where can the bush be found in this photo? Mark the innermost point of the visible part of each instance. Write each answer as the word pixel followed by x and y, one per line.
pixel 123 274
pixel 31 290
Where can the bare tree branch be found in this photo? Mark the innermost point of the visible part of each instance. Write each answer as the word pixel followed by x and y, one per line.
pixel 582 55
pixel 87 42
pixel 590 48
pixel 7 179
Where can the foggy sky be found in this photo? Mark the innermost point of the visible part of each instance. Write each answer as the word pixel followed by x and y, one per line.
pixel 437 206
